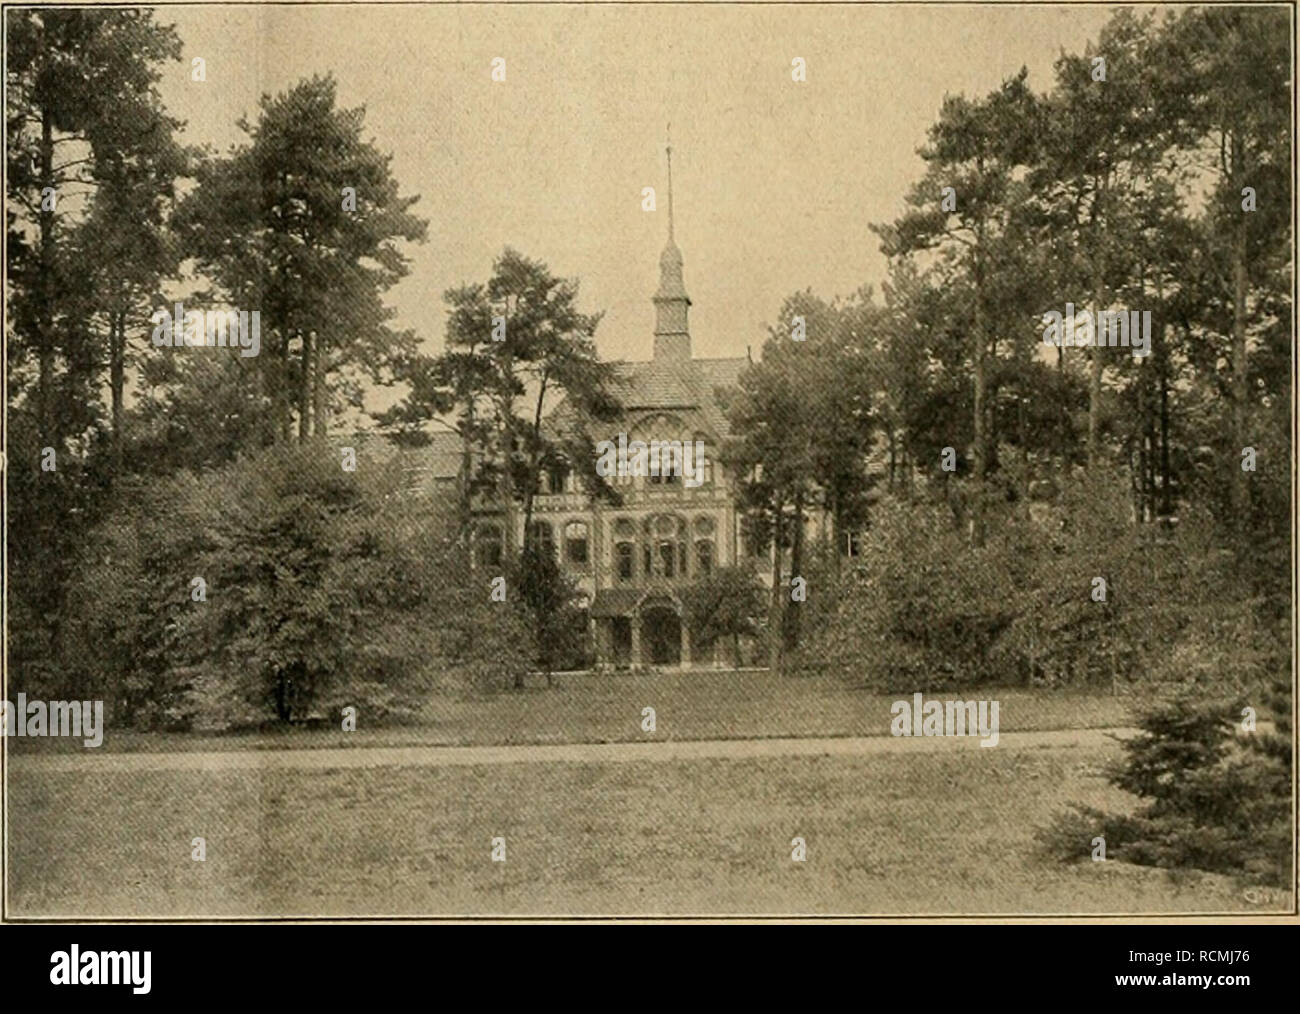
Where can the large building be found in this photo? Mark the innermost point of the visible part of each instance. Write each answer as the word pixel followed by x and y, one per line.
pixel 632 561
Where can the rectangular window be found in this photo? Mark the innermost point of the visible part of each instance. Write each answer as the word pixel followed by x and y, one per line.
pixel 666 558
pixel 575 543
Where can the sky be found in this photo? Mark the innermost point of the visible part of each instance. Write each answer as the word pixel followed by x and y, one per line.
pixel 776 182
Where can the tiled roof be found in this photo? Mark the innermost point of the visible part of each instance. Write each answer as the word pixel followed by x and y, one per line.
pixel 656 384
pixel 622 601
pixel 722 372
pixel 666 384
pixel 440 458
pixel 681 384
pixel 615 601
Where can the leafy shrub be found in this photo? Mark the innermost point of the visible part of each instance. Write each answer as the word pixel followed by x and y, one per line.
pixel 550 600
pixel 724 606
pixel 920 609
pixel 323 588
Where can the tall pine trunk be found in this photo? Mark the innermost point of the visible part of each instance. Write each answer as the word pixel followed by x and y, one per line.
pixel 45 304
pixel 304 390
pixel 981 432
pixel 792 608
pixel 281 391
pixel 774 619
pixel 1240 366
pixel 117 379
pixel 1095 355
pixel 319 420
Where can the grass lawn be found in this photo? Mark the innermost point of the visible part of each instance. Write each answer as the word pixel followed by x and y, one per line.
pixel 937 833
pixel 607 708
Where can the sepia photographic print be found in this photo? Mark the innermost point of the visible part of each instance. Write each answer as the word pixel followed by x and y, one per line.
pixel 712 461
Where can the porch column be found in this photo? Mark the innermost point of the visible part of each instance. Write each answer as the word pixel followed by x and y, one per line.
pixel 686 647
pixel 636 639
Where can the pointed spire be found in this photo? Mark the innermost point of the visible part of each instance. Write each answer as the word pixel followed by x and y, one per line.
pixel 668 132
pixel 672 336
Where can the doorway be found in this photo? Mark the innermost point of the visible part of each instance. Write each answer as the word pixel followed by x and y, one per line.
pixel 661 636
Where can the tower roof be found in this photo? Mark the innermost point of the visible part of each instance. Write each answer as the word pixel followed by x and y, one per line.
pixel 672 332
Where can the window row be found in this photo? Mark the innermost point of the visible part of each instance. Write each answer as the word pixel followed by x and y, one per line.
pixel 577 541
pixel 673 464
pixel 663 546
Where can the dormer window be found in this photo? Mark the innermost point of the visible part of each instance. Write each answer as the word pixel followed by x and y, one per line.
pixel 667 463
pixel 559 478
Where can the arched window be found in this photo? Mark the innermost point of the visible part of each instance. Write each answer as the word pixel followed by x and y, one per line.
pixel 544 537
pixel 664 546
pixel 487 545
pixel 625 560
pixel 666 532
pixel 576 543
pixel 558 478
pixel 625 549
pixel 704 546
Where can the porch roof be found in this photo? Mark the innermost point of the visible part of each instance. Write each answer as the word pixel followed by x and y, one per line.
pixel 616 602
pixel 625 601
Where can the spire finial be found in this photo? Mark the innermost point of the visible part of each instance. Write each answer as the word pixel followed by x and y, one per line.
pixel 669 134
pixel 672 336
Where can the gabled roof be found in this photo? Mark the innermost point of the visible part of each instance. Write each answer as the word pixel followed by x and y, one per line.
pixel 671 384
pixel 440 458
pixel 680 384
pixel 621 601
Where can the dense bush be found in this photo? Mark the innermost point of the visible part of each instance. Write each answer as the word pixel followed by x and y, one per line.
pixel 550 602
pixel 725 606
pixel 919 609
pixel 923 608
pixel 320 588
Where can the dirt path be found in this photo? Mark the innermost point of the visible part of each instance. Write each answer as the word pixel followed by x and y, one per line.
pixel 662 750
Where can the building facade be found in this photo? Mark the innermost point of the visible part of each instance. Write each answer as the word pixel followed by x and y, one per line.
pixel 633 561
